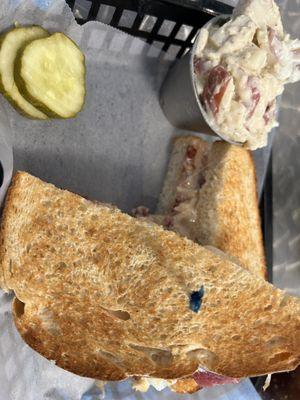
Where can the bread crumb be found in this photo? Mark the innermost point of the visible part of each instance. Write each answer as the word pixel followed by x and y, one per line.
pixel 267 382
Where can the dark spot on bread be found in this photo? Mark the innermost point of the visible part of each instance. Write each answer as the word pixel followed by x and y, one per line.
pixel 162 358
pixel 119 314
pixel 268 307
pixel 201 181
pixel 19 307
pixel 282 356
pixel 61 265
pixel 196 299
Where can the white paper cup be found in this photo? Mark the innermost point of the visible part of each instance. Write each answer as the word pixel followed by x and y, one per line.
pixel 178 96
pixel 6 154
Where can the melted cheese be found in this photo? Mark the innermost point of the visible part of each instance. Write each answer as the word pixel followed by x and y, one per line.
pixel 142 384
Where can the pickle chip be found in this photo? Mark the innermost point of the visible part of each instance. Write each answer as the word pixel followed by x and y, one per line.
pixel 50 73
pixel 11 43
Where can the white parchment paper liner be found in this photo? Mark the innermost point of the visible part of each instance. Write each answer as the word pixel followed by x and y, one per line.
pixel 116 151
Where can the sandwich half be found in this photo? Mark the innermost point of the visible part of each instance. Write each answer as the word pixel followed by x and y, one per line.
pixel 209 195
pixel 108 296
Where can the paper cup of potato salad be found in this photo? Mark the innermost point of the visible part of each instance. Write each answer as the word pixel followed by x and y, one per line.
pixel 228 84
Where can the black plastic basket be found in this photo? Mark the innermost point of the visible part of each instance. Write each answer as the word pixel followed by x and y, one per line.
pixel 193 14
pixel 190 13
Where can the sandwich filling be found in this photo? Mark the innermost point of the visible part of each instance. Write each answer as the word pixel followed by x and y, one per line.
pixel 202 378
pixel 183 214
pixel 142 384
pixel 208 379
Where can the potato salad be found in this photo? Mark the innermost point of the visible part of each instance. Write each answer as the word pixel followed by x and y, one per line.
pixel 241 65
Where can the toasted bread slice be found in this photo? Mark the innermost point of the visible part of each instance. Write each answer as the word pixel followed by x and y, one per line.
pixel 205 229
pixel 108 296
pixel 222 206
pixel 227 210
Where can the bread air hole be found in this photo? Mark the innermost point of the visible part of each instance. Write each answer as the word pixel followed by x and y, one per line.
pixel 268 307
pixel 202 355
pixel 123 315
pixel 19 307
pixel 277 341
pixel 111 358
pixel 160 357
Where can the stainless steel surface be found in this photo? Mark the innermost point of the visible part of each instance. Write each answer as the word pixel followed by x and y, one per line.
pixel 286 203
pixel 286 175
pixel 179 101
